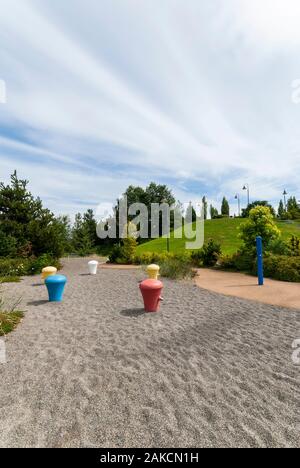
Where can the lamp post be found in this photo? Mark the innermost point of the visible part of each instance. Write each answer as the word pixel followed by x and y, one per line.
pixel 284 197
pixel 237 197
pixel 246 187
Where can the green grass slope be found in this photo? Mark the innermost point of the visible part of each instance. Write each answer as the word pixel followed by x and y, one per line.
pixel 224 231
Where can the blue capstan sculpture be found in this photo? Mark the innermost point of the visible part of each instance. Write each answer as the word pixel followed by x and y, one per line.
pixel 56 285
pixel 260 266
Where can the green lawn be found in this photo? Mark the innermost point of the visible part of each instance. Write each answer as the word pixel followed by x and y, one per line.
pixel 224 231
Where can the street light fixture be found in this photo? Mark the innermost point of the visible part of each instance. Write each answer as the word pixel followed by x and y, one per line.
pixel 237 197
pixel 246 187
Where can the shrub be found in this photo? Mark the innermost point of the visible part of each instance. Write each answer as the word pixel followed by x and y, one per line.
pixel 9 321
pixel 242 260
pixel 14 267
pixel 124 254
pixel 279 247
pixel 22 266
pixel 260 223
pixel 208 255
pixel 37 264
pixel 177 268
pixel 8 245
pixel 294 246
pixel 282 268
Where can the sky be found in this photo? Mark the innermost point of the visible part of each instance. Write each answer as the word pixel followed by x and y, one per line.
pixel 194 94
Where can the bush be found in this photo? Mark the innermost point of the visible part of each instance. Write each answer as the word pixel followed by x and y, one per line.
pixel 124 254
pixel 208 255
pixel 22 266
pixel 260 223
pixel 177 268
pixel 14 267
pixel 37 264
pixel 279 247
pixel 282 268
pixel 242 260
pixel 8 245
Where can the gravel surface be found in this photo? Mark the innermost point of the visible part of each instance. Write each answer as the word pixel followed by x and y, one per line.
pixel 96 371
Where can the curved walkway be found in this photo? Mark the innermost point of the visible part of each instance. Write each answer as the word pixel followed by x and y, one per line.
pixel 277 293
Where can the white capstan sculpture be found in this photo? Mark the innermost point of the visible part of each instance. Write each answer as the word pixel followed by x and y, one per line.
pixel 93 267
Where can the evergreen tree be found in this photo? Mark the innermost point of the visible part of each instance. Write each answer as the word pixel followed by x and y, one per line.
pixel 293 208
pixel 31 228
pixel 281 210
pixel 190 213
pixel 81 239
pixel 225 210
pixel 204 203
pixel 213 212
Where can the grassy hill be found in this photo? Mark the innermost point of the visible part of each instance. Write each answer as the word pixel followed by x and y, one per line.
pixel 224 231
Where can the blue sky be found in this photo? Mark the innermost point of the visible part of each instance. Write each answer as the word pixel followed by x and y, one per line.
pixel 106 93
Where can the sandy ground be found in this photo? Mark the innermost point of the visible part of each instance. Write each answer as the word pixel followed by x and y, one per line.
pixel 278 293
pixel 208 370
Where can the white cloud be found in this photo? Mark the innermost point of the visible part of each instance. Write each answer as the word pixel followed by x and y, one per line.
pixel 171 90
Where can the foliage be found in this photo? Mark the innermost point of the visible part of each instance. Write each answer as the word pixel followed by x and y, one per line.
pixel 190 215
pixel 294 246
pixel 282 268
pixel 259 223
pixel 24 219
pixel 281 212
pixel 25 266
pixel 177 268
pixel 204 203
pixel 37 264
pixel 10 279
pixel 8 245
pixel 208 255
pixel 82 237
pixel 225 210
pixel 213 212
pixel 239 261
pixel 293 209
pixel 279 247
pixel 124 254
pixel 9 321
pixel 246 211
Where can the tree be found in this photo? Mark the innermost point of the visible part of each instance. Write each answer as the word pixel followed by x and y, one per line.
pixel 190 214
pixel 281 211
pixel 246 211
pixel 35 229
pixel 204 203
pixel 213 212
pixel 81 239
pixel 260 223
pixel 225 210
pixel 154 193
pixel 91 226
pixel 293 208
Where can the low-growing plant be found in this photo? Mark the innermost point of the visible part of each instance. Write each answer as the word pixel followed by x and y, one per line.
pixel 282 268
pixel 9 321
pixel 176 268
pixel 243 260
pixel 208 255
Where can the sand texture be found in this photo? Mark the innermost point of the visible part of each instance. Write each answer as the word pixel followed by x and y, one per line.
pixel 95 371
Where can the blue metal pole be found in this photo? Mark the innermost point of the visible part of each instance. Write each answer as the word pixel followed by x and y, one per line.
pixel 260 266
